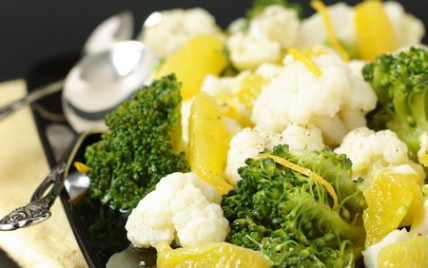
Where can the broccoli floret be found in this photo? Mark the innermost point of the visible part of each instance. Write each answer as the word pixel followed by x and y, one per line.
pixel 137 149
pixel 259 5
pixel 289 217
pixel 401 85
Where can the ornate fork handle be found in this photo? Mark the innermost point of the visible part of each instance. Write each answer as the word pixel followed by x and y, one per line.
pixel 38 209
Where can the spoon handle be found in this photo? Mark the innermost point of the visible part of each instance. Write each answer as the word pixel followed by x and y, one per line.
pixel 38 209
pixel 33 96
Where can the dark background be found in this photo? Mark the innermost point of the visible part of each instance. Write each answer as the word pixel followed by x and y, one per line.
pixel 32 31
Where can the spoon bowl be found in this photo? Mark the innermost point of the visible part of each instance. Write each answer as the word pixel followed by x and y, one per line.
pixel 114 29
pixel 117 28
pixel 99 82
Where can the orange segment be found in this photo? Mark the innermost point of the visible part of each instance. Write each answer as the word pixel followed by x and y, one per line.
pixel 202 55
pixel 393 200
pixel 251 86
pixel 408 253
pixel 213 255
pixel 82 168
pixel 208 142
pixel 375 34
pixel 236 105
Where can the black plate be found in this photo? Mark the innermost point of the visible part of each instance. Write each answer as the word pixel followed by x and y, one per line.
pixel 99 231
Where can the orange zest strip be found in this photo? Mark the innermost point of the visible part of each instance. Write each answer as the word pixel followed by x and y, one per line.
pixel 322 9
pixel 307 172
pixel 306 61
pixel 82 168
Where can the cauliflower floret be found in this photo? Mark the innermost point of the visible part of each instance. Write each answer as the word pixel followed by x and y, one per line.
pixel 278 24
pixel 238 25
pixel 196 220
pixel 314 30
pixel 158 217
pixel 303 137
pixel 166 31
pixel 408 29
pixel 248 52
pixel 269 70
pixel 247 144
pixel 276 28
pixel 336 102
pixel 372 151
pixel 357 67
pixel 222 86
pixel 423 150
pixel 250 142
pixel 150 223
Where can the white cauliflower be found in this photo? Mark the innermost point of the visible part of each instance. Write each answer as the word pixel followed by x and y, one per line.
pixel 423 150
pixel 247 52
pixel 278 24
pixel 250 142
pixel 408 29
pixel 182 207
pixel 166 31
pixel 247 144
pixel 303 137
pixel 314 30
pixel 371 151
pixel 196 219
pixel 357 67
pixel 336 102
pixel 276 28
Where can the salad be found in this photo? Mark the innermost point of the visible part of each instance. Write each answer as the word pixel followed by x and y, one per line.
pixel 281 141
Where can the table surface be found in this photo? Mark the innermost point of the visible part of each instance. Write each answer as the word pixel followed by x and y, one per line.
pixel 23 165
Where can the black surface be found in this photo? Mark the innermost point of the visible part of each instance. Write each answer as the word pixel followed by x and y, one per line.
pixel 32 31
pixel 6 262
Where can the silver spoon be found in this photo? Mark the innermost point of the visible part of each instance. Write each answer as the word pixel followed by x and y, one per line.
pixel 111 77
pixel 116 28
pixel 96 85
pixel 99 82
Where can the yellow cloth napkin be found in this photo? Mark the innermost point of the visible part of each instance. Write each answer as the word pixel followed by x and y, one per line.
pixel 22 167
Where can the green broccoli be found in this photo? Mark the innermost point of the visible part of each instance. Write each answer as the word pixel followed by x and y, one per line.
pixel 289 217
pixel 401 85
pixel 138 148
pixel 259 5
